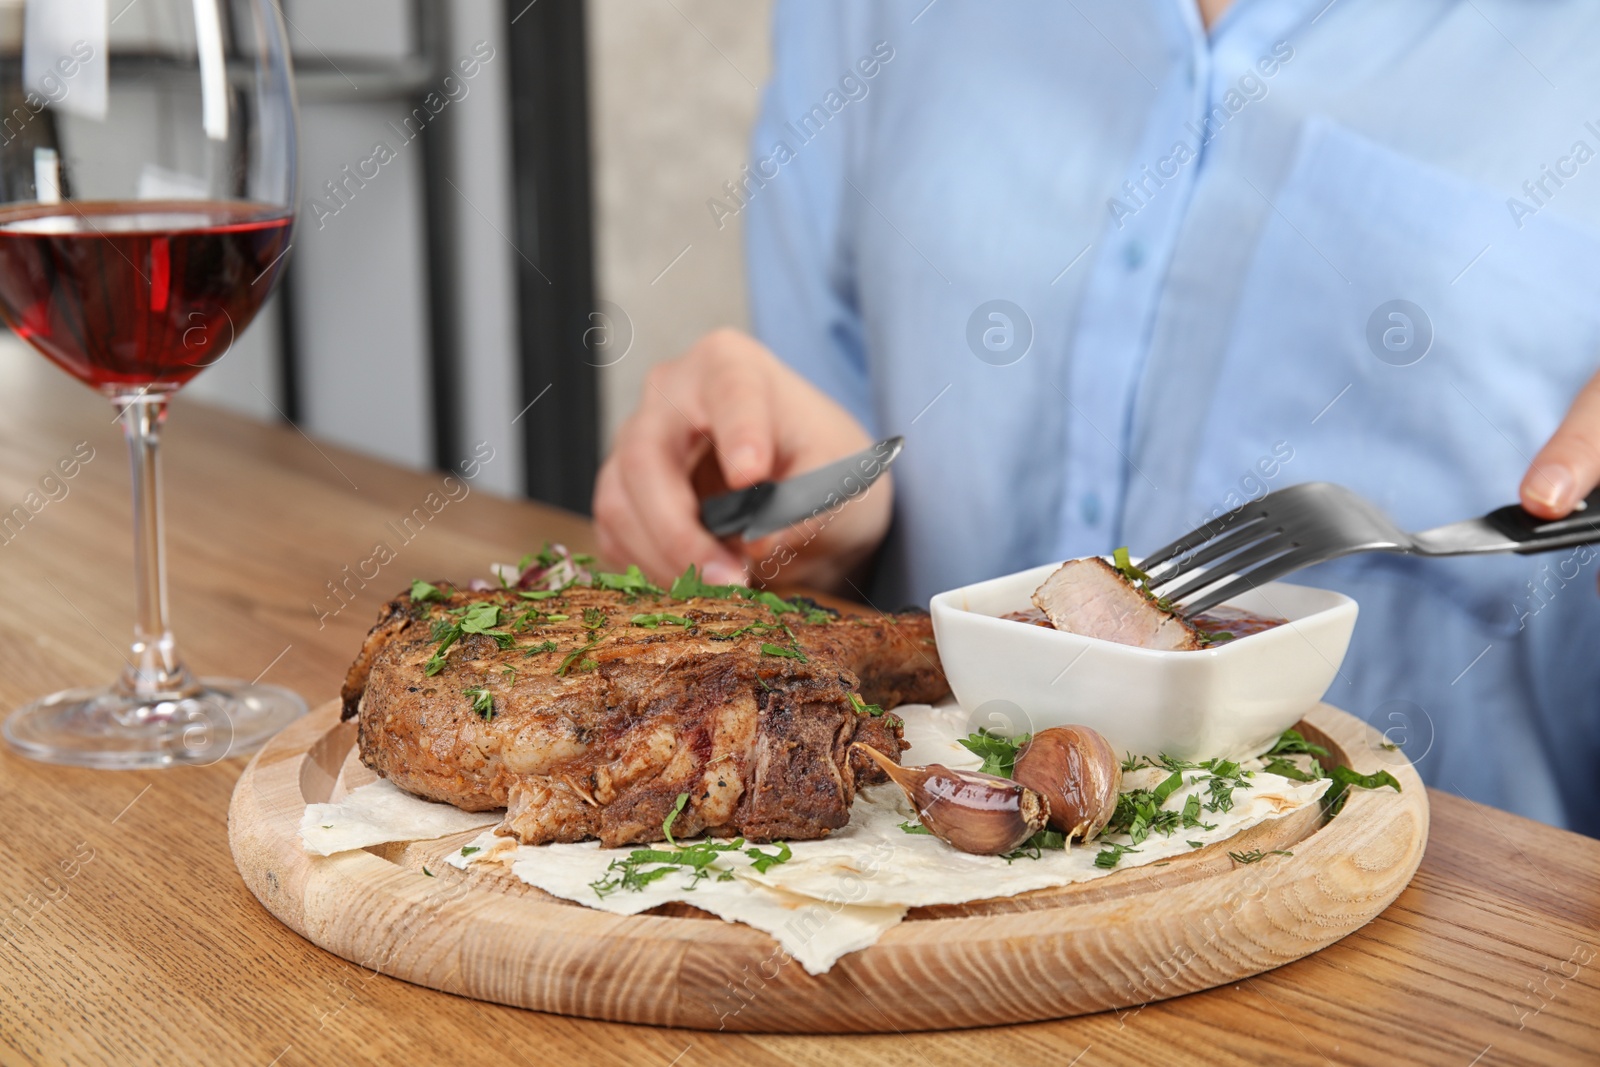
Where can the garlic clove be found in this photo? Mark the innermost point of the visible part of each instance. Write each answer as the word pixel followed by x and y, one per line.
pixel 973 812
pixel 1074 768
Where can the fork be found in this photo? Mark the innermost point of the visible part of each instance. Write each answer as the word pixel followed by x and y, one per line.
pixel 1310 523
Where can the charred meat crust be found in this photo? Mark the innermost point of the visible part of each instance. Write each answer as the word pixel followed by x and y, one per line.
pixel 759 741
pixel 390 622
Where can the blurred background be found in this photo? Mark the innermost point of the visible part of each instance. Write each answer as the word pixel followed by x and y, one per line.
pixel 538 221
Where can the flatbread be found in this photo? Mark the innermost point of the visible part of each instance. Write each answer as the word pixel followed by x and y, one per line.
pixel 873 861
pixel 380 812
pixel 833 896
pixel 815 932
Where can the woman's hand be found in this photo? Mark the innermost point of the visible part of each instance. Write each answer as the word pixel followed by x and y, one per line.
pixel 1567 468
pixel 723 416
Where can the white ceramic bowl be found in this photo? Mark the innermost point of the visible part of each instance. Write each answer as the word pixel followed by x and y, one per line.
pixel 1231 701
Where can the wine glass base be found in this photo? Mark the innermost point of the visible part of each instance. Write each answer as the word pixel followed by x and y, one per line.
pixel 105 728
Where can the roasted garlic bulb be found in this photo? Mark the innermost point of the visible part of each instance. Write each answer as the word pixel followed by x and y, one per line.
pixel 974 812
pixel 1075 770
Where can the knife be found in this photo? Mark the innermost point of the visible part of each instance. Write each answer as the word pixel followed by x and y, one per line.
pixel 768 507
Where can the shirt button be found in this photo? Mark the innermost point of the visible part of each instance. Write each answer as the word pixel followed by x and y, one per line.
pixel 1089 508
pixel 1133 255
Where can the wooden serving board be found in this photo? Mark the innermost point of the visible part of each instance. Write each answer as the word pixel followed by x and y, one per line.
pixel 1142 934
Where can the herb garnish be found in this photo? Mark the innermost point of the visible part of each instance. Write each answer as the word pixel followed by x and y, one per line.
pixel 696 860
pixel 482 702
pixel 762 861
pixel 651 622
pixel 1123 562
pixel 534 617
pixel 421 590
pixel 1112 854
pixel 1221 791
pixel 689 585
pixel 594 620
pixel 1138 812
pixel 772 600
pixel 1225 778
pixel 467 850
pixel 999 754
pixel 446 633
pixel 915 828
pixel 576 656
pixel 1289 769
pixel 760 629
pixel 1036 846
pixel 1255 855
pixel 1168 786
pixel 865 709
pixel 543 646
pixel 633 582
pixel 1190 816
pixel 672 817
pixel 1292 743
pixel 793 651
pixel 1139 580
pixel 427 872
pixel 1343 778
pixel 479 618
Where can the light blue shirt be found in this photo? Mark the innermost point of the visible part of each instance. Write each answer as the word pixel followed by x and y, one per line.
pixel 1200 241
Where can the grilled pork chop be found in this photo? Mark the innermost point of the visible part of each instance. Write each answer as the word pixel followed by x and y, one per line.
pixel 587 713
pixel 1092 598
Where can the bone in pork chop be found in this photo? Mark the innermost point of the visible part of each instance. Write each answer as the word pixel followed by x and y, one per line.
pixel 1092 598
pixel 588 712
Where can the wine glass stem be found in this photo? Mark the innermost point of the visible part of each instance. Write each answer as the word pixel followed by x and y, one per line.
pixel 154 670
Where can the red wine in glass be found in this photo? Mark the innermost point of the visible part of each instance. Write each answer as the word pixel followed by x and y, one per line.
pixel 145 214
pixel 137 294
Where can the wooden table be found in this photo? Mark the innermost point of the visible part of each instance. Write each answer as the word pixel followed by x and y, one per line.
pixel 128 937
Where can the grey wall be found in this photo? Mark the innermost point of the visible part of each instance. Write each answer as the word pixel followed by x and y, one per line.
pixel 674 89
pixel 360 289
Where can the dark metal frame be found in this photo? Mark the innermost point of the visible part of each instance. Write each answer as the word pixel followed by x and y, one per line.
pixel 554 238
pixel 288 348
pixel 439 230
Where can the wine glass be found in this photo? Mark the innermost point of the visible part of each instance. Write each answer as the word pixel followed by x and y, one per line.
pixel 147 191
